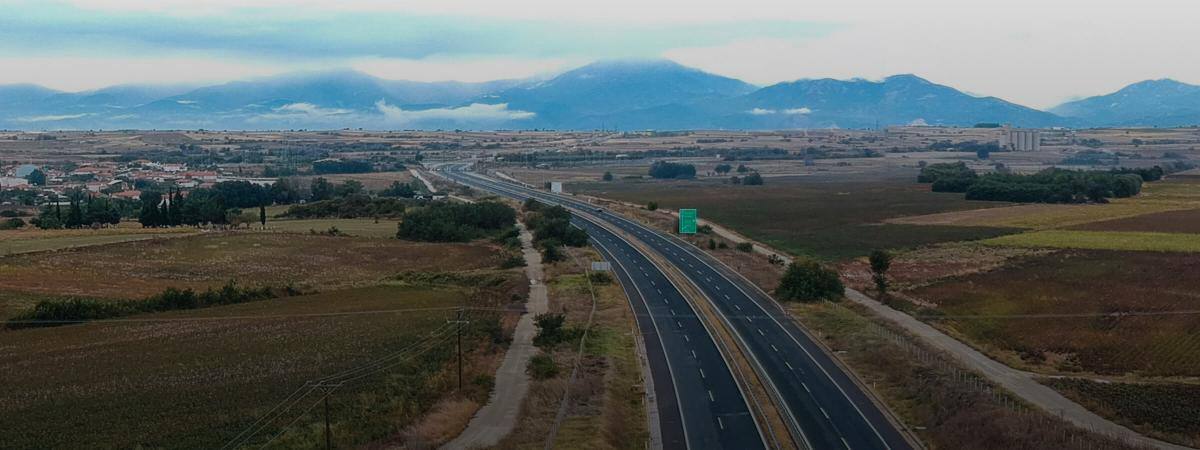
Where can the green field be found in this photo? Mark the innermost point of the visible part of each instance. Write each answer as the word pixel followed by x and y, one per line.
pixel 830 220
pixel 1101 240
pixel 171 381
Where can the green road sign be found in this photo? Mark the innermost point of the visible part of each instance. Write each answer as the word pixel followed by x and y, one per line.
pixel 687 221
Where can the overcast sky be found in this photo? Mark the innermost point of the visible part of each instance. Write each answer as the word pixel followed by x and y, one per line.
pixel 1037 53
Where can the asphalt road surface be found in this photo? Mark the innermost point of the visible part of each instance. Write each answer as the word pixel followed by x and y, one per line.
pixel 822 401
pixel 700 404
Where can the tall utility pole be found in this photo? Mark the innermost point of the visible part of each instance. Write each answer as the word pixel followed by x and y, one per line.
pixel 458 330
pixel 328 438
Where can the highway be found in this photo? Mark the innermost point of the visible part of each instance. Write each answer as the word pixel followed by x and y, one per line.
pixel 700 405
pixel 821 401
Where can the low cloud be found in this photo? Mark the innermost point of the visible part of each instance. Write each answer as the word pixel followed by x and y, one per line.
pixel 789 111
pixel 52 118
pixel 303 111
pixel 475 113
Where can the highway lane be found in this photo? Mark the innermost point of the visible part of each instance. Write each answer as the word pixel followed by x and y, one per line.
pixel 830 409
pixel 699 401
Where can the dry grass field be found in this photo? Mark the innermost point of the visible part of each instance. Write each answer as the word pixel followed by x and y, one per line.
pixel 1103 312
pixel 138 269
pixel 370 228
pixel 195 379
pixel 29 239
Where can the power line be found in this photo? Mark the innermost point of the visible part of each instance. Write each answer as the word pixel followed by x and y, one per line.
pixel 327 382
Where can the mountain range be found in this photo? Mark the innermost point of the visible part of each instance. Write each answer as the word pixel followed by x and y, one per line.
pixel 622 94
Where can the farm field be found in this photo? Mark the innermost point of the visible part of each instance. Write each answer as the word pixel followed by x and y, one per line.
pixel 197 378
pixel 1165 410
pixel 830 220
pixel 370 228
pixel 1181 221
pixel 1078 311
pixel 1178 192
pixel 31 239
pixel 139 269
pixel 1101 240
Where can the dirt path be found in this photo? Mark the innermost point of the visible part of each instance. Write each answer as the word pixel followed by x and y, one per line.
pixel 425 181
pixel 498 417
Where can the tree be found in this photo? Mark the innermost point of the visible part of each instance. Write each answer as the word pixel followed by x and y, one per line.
pixel 722 169
pixel 321 189
pixel 608 176
pixel 741 168
pixel 348 188
pixel 652 206
pixel 36 178
pixel 398 189
pixel 753 179
pixel 664 169
pixel 881 261
pixel 808 280
pixel 262 215
pixel 983 153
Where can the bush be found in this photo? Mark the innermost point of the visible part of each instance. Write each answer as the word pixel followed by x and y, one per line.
pixel 664 169
pixel 350 207
pixel 63 312
pixel 551 252
pixel 808 280
pixel 745 247
pixel 753 179
pixel 600 277
pixel 542 367
pixel 11 224
pixel 513 262
pixel 652 206
pixel 953 184
pixel 933 172
pixel 455 222
pixel 550 329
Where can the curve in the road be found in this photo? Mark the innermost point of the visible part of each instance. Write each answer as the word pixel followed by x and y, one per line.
pixel 700 403
pixel 827 405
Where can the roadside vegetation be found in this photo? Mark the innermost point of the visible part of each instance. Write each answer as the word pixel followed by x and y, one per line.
pixel 932 396
pixel 606 406
pixel 552 229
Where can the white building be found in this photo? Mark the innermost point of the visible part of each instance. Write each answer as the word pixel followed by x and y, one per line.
pixel 13 183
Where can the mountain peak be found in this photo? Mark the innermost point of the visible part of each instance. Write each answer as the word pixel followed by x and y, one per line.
pixel 906 78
